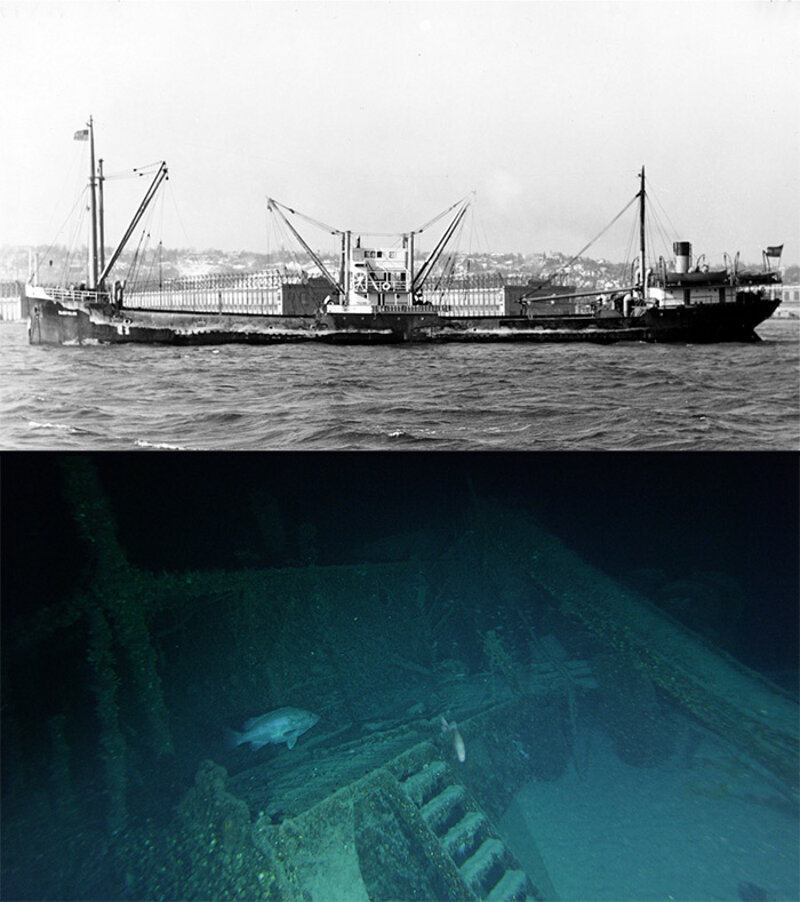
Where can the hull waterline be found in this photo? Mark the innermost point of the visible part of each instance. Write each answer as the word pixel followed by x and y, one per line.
pixel 54 322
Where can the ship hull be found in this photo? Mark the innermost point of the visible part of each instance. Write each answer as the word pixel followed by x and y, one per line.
pixel 54 322
pixel 730 322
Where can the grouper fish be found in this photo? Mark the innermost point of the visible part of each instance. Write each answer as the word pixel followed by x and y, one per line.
pixel 281 725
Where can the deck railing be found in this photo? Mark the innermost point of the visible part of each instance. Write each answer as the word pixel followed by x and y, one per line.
pixel 262 293
pixel 75 295
pixel 258 293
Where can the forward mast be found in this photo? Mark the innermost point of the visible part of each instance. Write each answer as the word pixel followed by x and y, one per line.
pixel 98 268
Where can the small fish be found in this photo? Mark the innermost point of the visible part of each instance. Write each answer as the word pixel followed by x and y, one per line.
pixel 281 725
pixel 458 742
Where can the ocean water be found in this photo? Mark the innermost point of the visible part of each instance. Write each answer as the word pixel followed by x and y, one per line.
pixel 458 397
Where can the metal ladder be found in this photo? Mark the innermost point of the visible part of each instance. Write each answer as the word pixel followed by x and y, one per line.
pixel 486 865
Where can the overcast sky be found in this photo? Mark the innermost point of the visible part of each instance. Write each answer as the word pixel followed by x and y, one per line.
pixel 377 115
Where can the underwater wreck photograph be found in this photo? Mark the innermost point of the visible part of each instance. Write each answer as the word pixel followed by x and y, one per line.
pixel 351 676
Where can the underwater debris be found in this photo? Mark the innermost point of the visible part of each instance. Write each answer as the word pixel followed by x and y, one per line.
pixel 500 661
pixel 728 697
pixel 112 742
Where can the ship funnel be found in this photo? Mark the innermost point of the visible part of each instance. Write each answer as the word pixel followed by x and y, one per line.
pixel 683 255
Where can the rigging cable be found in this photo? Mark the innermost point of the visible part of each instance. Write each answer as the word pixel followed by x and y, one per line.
pixel 69 216
pixel 177 213
pixel 77 229
pixel 661 207
pixel 137 264
pixel 596 238
pixel 287 244
pixel 628 259
pixel 662 232
pixel 448 261
pixel 74 184
pixel 156 256
pixel 324 226
pixel 444 213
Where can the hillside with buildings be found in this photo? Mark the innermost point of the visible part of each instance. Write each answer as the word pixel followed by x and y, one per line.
pixel 55 265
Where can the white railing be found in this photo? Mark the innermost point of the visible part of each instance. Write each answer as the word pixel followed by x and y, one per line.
pixel 69 295
pixel 402 308
pixel 208 300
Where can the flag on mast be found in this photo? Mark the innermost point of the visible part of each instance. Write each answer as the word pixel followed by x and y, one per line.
pixel 81 135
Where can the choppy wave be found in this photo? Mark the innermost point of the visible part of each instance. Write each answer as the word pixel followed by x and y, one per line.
pixel 64 427
pixel 456 397
pixel 159 446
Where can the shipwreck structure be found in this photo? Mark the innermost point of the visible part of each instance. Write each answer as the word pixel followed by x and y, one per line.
pixel 372 803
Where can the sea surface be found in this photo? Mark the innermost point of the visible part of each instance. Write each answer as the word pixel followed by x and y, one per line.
pixel 456 397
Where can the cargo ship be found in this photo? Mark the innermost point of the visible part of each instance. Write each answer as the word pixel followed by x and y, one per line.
pixel 381 294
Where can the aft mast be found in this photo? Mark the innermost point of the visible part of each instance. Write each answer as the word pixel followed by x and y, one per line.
pixel 642 247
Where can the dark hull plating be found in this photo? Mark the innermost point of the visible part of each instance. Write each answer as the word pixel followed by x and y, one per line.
pixel 51 322
pixel 700 323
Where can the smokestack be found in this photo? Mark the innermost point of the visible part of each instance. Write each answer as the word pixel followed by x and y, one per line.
pixel 683 255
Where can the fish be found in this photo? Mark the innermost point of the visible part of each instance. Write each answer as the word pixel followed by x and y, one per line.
pixel 281 725
pixel 458 742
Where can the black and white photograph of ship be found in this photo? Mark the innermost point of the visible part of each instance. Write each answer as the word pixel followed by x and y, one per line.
pixel 450 226
pixel 382 296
